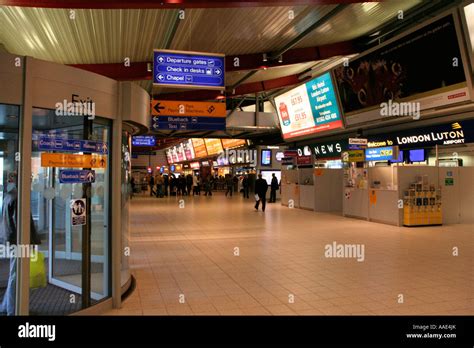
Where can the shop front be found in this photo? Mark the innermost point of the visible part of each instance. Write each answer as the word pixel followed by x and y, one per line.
pixel 65 139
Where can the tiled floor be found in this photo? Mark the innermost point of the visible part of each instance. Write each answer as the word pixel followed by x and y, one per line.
pixel 188 255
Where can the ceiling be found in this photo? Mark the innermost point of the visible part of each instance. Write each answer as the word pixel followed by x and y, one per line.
pixel 100 36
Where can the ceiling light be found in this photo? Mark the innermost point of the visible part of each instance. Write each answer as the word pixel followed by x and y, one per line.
pixel 280 59
pixel 265 58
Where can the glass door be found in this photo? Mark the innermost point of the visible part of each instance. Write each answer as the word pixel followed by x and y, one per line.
pixel 55 187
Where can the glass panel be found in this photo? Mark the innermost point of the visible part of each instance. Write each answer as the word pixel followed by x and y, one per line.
pixel 126 176
pixel 51 200
pixel 9 119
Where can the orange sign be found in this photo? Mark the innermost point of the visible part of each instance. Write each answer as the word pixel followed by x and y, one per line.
pixel 373 197
pixel 318 172
pixel 229 143
pixel 214 146
pixel 199 148
pixel 187 108
pixel 66 160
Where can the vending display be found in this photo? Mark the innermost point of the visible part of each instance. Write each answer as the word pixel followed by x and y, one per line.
pixel 422 203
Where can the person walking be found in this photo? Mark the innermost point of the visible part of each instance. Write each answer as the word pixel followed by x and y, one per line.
pixel 159 185
pixel 151 182
pixel 182 184
pixel 166 181
pixel 229 185
pixel 261 188
pixel 8 237
pixel 245 186
pixel 189 183
pixel 196 190
pixel 273 188
pixel 208 186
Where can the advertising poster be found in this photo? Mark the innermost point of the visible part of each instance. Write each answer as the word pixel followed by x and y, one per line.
pixel 199 148
pixel 214 146
pixel 231 143
pixel 309 108
pixel 417 66
pixel 189 149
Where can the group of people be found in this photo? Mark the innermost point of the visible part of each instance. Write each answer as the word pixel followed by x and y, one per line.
pixel 183 185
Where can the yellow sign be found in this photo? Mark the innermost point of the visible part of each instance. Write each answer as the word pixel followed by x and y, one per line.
pixel 353 156
pixel 187 108
pixel 66 160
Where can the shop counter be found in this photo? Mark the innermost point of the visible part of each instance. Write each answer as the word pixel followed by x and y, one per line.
pixel 383 206
pixel 355 203
pixel 306 197
pixel 290 192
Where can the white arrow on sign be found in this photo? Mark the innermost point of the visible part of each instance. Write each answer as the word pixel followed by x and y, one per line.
pixel 155 118
pixel 161 59
pixel 217 71
pixel 160 77
pixel 90 177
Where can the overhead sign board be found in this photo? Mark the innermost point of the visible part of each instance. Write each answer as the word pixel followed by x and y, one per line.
pixel 76 176
pixel 353 156
pixel 144 140
pixel 64 160
pixel 48 143
pixel 357 141
pixel 309 108
pixel 188 69
pixel 385 153
pixel 456 133
pixel 187 108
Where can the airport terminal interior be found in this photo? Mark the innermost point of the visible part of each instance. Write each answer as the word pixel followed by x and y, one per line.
pixel 237 157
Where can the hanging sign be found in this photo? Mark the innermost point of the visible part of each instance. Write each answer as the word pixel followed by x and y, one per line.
pixel 76 176
pixel 48 143
pixel 65 160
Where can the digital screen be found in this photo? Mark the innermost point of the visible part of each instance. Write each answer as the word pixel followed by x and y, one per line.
pixel 214 146
pixel 230 143
pixel 309 108
pixel 144 140
pixel 399 159
pixel 199 148
pixel 169 156
pixel 194 165
pixel 189 149
pixel 279 155
pixel 416 155
pixel 266 158
pixel 267 175
pixel 387 153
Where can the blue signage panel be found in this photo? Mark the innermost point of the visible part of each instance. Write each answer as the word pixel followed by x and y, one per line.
pixel 188 69
pixel 386 153
pixel 144 140
pixel 185 123
pixel 76 176
pixel 47 143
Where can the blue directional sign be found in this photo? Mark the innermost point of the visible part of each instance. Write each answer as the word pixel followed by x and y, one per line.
pixel 47 143
pixel 188 69
pixel 144 140
pixel 188 123
pixel 76 176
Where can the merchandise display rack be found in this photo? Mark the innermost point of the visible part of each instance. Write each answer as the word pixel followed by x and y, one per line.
pixel 422 203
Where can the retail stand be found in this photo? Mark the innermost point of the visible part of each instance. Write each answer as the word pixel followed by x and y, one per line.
pixel 327 190
pixel 306 188
pixel 290 191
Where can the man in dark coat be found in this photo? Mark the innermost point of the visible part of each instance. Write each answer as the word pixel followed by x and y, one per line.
pixel 261 188
pixel 273 188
